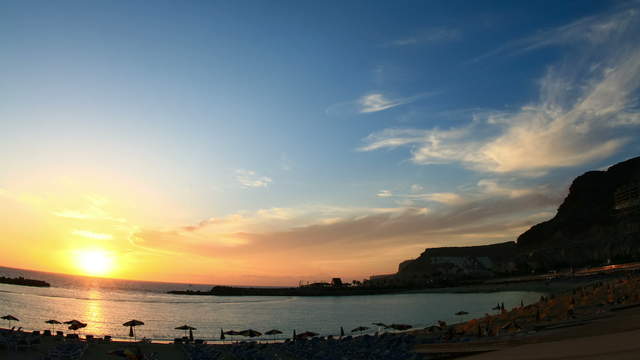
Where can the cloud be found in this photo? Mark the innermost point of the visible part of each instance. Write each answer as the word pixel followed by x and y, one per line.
pixel 249 179
pixel 301 242
pixel 384 194
pixel 493 187
pixel 594 31
pixel 427 36
pixel 377 102
pixel 585 111
pixel 416 188
pixel 373 102
pixel 442 197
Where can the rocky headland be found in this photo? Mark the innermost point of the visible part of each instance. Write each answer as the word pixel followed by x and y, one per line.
pixel 598 223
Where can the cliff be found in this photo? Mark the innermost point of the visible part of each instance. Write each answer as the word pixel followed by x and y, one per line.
pixel 598 222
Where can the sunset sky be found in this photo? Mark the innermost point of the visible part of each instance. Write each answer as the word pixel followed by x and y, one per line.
pixel 267 142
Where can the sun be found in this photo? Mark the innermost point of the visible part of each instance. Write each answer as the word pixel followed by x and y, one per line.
pixel 94 262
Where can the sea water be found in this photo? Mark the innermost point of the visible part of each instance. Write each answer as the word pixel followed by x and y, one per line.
pixel 104 304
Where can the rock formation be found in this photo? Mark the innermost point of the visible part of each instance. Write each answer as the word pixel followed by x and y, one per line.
pixel 597 223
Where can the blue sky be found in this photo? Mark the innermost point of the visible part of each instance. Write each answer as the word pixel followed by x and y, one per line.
pixel 360 124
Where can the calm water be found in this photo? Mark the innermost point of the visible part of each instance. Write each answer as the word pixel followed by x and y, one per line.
pixel 105 304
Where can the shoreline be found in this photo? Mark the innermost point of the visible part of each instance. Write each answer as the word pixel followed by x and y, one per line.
pixel 605 307
pixel 536 284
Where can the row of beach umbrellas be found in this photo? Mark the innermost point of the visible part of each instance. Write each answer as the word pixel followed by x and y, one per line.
pixel 132 324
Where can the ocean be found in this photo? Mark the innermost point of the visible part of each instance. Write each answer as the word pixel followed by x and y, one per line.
pixel 104 304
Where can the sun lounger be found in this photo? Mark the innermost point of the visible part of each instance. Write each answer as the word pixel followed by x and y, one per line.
pixel 107 338
pixel 46 333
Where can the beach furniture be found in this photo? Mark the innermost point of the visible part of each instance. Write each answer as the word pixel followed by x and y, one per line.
pixel 88 338
pixel 177 341
pixel 107 338
pixel 59 333
pixel 46 333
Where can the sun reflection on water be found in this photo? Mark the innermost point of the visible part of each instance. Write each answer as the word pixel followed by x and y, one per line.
pixel 93 313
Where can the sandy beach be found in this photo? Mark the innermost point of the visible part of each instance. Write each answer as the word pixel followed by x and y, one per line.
pixel 594 318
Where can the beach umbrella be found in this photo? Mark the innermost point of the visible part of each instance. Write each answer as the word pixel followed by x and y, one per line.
pixel 71 322
pixel 186 328
pixel 294 335
pixel 76 326
pixel 400 327
pixel 341 331
pixel 221 335
pixel 191 334
pixel 232 332
pixel 250 333
pixel 132 324
pixel 53 323
pixel 306 334
pixel 273 332
pixel 10 318
pixel 360 329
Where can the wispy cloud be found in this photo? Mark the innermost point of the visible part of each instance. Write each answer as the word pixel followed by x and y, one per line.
pixel 377 102
pixel 427 36
pixel 441 197
pixel 372 103
pixel 594 30
pixel 416 188
pixel 249 179
pixel 585 111
pixel 384 194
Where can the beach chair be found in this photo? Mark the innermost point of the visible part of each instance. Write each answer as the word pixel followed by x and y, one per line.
pixel 59 333
pixel 46 333
pixel 107 338
pixel 177 341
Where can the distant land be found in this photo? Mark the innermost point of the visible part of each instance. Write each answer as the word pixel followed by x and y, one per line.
pixel 23 282
pixel 597 224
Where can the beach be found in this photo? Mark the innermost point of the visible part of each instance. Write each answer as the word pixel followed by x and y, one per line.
pixel 598 318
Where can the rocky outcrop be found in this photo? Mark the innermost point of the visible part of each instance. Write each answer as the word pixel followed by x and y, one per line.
pixel 598 222
pixel 460 262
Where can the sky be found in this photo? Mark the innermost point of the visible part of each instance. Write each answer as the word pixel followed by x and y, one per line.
pixel 269 142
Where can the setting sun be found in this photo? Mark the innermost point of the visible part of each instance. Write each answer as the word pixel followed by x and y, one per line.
pixel 94 262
